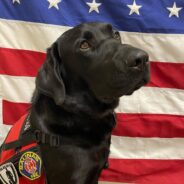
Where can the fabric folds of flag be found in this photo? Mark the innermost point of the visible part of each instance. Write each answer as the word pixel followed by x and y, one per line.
pixel 148 141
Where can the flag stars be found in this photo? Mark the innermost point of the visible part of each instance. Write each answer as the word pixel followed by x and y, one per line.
pixel 94 6
pixel 54 3
pixel 174 11
pixel 134 8
pixel 16 1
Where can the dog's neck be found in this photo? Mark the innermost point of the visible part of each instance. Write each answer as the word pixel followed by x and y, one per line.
pixel 92 117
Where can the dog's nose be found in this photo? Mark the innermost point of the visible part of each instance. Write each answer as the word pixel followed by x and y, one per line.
pixel 137 59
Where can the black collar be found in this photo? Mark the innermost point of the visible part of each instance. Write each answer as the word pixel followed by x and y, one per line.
pixel 51 140
pixel 28 135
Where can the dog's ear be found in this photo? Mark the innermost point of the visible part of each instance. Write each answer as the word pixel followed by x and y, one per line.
pixel 49 79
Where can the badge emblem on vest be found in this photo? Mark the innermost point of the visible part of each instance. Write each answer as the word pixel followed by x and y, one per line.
pixel 8 174
pixel 30 165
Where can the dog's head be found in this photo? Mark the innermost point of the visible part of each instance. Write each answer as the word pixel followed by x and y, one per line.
pixel 92 55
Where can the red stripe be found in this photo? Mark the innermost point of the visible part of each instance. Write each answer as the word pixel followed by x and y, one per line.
pixel 149 125
pixel 26 63
pixel 131 125
pixel 20 62
pixel 167 75
pixel 13 111
pixel 144 171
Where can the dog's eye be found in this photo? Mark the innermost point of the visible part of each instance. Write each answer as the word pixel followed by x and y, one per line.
pixel 84 45
pixel 116 35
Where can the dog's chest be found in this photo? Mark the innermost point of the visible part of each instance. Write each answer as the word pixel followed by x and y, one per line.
pixel 75 164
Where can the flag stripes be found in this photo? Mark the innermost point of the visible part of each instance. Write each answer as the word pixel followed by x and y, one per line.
pixel 29 36
pixel 147 148
pixel 17 88
pixel 146 100
pixel 144 171
pixel 172 75
pixel 15 109
pixel 148 141
pixel 159 125
pixel 28 63
pixel 153 100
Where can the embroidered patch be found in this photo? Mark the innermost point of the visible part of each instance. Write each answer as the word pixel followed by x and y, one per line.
pixel 8 174
pixel 30 165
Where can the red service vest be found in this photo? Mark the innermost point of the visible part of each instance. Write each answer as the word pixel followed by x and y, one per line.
pixel 24 162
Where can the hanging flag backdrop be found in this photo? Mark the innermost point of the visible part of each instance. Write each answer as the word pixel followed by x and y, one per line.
pixel 148 142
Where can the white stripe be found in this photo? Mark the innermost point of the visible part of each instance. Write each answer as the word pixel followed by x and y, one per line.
pixel 3 132
pixel 153 100
pixel 147 148
pixel 28 35
pixel 161 47
pixel 145 100
pixel 17 89
pixel 38 37
pixel 3 128
pixel 138 148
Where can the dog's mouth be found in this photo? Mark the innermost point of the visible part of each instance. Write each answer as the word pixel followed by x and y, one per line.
pixel 117 91
pixel 138 86
pixel 109 99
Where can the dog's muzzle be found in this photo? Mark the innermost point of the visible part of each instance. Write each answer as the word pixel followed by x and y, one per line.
pixel 131 71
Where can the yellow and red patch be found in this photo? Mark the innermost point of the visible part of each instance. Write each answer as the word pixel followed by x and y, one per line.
pixel 30 165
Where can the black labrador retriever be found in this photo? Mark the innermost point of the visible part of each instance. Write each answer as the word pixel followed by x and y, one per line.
pixel 77 89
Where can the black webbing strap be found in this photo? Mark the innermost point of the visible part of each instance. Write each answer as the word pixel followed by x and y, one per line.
pixel 34 136
pixel 29 138
pixel 43 138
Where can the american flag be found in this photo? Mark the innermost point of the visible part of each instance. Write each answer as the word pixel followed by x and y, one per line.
pixel 148 141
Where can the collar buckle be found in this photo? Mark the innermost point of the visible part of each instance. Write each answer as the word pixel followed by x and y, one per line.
pixel 43 138
pixel 54 140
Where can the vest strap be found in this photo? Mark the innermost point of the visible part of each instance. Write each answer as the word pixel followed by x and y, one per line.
pixel 32 137
pixel 28 139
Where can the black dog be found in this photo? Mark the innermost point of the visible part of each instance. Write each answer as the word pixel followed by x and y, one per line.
pixel 86 71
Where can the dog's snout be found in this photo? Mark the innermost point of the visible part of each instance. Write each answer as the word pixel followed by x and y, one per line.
pixel 137 59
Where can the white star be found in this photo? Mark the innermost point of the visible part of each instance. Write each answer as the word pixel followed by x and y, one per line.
pixel 54 3
pixel 94 6
pixel 174 10
pixel 134 8
pixel 16 1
